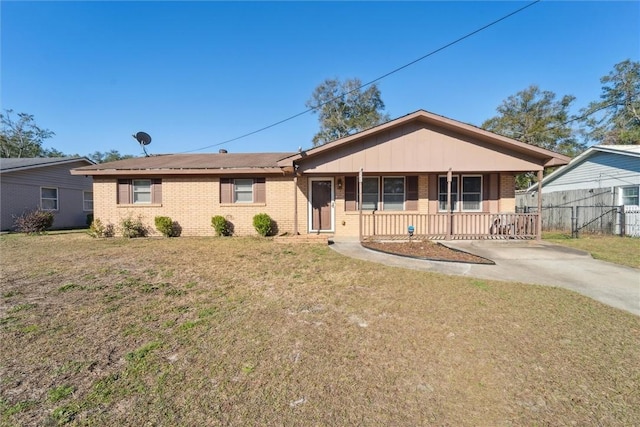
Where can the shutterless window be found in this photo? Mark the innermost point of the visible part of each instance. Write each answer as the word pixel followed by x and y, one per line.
pixel 393 193
pixel 471 193
pixel 87 201
pixel 141 191
pixel 49 199
pixel 243 190
pixel 370 188
pixel 630 196
pixel 442 193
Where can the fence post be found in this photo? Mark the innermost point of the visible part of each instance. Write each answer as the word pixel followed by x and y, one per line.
pixel 623 221
pixel 574 223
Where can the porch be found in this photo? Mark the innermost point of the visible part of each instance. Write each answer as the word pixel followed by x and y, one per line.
pixel 453 226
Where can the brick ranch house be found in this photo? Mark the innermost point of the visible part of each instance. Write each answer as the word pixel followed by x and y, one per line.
pixel 445 178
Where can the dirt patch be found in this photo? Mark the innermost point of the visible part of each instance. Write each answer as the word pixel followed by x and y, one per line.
pixel 425 249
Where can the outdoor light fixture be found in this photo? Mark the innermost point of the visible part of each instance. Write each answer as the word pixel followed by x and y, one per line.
pixel 339 183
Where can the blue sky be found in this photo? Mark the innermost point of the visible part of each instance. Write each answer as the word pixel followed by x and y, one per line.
pixel 194 74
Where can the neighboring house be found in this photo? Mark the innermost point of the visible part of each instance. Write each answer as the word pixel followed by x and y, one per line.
pixel 445 178
pixel 593 190
pixel 30 183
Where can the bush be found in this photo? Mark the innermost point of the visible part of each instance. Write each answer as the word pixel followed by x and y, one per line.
pixel 221 225
pixel 166 226
pixel 33 222
pixel 89 220
pixel 97 229
pixel 133 227
pixel 263 224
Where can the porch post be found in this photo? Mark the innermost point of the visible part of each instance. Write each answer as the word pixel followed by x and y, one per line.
pixel 539 218
pixel 295 204
pixel 450 225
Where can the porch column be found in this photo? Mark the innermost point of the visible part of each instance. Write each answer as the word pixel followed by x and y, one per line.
pixel 539 218
pixel 450 225
pixel 295 204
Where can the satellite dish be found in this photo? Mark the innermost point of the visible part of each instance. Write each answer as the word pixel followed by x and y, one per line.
pixel 144 139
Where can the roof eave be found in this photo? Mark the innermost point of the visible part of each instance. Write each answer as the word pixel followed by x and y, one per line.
pixel 156 172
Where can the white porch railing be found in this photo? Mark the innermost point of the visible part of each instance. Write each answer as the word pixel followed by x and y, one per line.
pixel 449 226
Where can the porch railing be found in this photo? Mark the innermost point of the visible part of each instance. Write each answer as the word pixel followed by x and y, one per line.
pixel 450 226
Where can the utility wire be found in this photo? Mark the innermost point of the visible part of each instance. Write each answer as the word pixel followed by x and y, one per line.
pixel 433 52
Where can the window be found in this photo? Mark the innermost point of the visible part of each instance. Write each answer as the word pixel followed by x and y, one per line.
pixel 466 193
pixel 370 193
pixel 242 190
pixel 471 193
pixel 49 199
pixel 138 191
pixel 87 201
pixel 630 196
pixel 442 193
pixel 141 191
pixel 398 193
pixel 393 194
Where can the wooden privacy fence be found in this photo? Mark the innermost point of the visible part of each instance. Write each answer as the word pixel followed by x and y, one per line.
pixel 378 225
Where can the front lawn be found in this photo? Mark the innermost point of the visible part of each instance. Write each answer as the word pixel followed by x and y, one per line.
pixel 242 331
pixel 616 249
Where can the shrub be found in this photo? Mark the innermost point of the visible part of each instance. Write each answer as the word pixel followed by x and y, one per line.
pixel 166 226
pixel 89 220
pixel 97 229
pixel 133 227
pixel 221 225
pixel 263 224
pixel 34 221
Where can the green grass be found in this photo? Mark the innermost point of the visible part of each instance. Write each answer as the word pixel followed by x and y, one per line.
pixel 266 333
pixel 615 249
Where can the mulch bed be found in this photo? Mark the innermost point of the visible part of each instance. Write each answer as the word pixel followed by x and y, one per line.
pixel 425 249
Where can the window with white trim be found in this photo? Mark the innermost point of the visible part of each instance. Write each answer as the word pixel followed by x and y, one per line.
pixel 466 193
pixel 443 191
pixel 87 201
pixel 141 191
pixel 471 192
pixel 243 190
pixel 49 198
pixel 393 193
pixel 630 196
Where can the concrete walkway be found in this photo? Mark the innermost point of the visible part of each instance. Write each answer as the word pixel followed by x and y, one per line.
pixel 533 262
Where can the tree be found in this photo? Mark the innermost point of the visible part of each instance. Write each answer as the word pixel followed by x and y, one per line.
pixel 108 156
pixel 535 117
pixel 344 109
pixel 615 119
pixel 22 137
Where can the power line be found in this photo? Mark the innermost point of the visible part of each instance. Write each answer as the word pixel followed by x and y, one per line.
pixel 433 52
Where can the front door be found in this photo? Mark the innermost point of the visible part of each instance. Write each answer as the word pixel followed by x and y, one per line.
pixel 321 204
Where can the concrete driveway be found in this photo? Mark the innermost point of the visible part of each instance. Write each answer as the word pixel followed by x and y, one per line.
pixel 533 262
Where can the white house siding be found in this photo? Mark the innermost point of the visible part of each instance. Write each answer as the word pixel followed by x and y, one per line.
pixel 600 170
pixel 20 191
